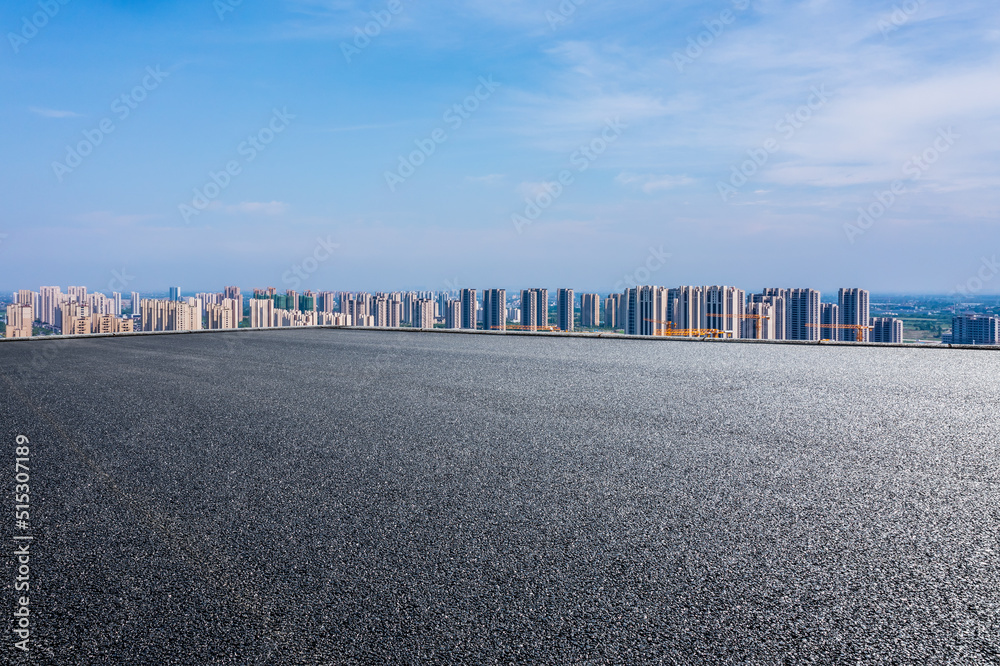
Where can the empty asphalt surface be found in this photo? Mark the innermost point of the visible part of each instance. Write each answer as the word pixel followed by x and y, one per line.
pixel 321 496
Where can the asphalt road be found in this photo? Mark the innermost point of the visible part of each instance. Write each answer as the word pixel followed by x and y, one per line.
pixel 320 496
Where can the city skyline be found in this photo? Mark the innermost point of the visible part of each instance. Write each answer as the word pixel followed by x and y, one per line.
pixel 718 311
pixel 570 142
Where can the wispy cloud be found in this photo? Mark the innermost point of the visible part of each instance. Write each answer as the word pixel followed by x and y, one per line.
pixel 650 183
pixel 53 113
pixel 490 179
pixel 258 208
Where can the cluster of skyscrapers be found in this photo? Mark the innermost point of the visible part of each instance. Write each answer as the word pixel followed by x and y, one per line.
pixel 715 311
pixel 724 311
pixel 75 312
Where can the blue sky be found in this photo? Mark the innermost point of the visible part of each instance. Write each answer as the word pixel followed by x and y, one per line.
pixel 821 104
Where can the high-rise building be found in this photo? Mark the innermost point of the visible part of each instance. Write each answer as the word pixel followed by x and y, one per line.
pixel 613 318
pixel 220 315
pixel 534 308
pixel 359 309
pixel 542 306
pixel 724 310
pixel 590 305
pixel 261 312
pixel 175 294
pixel 453 314
pixel 760 322
pixel 20 317
pixel 565 309
pixel 158 315
pixel 394 312
pixel 288 318
pixel 802 314
pixel 646 310
pixel 854 311
pixel 197 314
pixel 686 306
pixel 236 296
pixel 49 300
pixel 327 302
pixel 975 330
pixel 529 309
pixel 778 299
pixel 116 304
pixel 78 294
pixel 887 329
pixel 829 319
pixel 425 313
pixel 99 303
pixel 307 302
pixel 106 323
pixel 380 310
pixel 409 308
pixel 30 299
pixel 332 319
pixel 469 308
pixel 495 309
pixel 75 318
pixel 134 303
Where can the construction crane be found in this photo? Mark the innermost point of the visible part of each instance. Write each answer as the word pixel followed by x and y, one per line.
pixel 756 320
pixel 669 330
pixel 846 327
